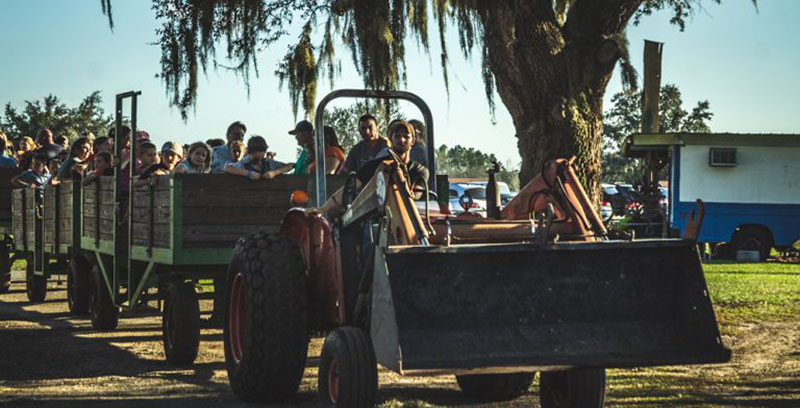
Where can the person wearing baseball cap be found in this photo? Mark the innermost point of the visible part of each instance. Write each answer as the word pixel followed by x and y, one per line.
pixel 171 155
pixel 303 133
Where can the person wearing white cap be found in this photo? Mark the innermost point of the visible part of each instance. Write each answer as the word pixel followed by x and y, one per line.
pixel 171 155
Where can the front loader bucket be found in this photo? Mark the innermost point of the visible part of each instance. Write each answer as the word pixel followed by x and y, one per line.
pixel 501 308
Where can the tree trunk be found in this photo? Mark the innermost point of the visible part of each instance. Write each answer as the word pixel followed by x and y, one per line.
pixel 572 129
pixel 552 77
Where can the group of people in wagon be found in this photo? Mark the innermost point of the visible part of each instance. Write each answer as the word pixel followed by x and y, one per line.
pixel 49 160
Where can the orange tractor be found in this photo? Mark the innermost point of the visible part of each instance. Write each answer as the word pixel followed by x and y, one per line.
pixel 536 287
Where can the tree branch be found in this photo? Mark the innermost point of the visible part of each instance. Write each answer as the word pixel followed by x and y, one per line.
pixel 591 20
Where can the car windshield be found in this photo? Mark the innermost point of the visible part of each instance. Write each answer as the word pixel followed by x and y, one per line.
pixel 610 190
pixel 478 192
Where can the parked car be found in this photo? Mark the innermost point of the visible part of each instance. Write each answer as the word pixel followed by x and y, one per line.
pixel 459 189
pixel 506 194
pixel 606 211
pixel 613 200
pixel 433 205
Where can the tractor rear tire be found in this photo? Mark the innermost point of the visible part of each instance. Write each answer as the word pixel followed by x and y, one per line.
pixel 180 324
pixel 584 388
pixel 5 268
pixel 79 286
pixel 495 387
pixel 348 372
pixel 753 239
pixel 35 285
pixel 266 329
pixel 103 312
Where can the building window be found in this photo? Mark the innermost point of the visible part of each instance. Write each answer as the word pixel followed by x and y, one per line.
pixel 721 157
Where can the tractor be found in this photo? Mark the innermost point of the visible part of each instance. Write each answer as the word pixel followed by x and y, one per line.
pixel 534 287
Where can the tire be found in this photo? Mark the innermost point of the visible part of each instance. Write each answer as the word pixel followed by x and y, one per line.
pixel 103 312
pixel 585 388
pixel 5 268
pixel 180 324
pixel 35 285
pixel 265 327
pixel 495 387
pixel 79 286
pixel 753 239
pixel 348 372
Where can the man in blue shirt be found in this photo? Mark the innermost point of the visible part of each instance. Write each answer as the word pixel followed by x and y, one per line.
pixel 222 154
pixel 6 161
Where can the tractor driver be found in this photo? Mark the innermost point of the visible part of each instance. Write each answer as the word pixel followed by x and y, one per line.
pixel 402 138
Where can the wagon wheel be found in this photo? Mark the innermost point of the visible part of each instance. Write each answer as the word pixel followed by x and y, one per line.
pixel 180 323
pixel 584 388
pixel 348 372
pixel 104 314
pixel 35 285
pixel 79 285
pixel 5 268
pixel 265 322
pixel 495 387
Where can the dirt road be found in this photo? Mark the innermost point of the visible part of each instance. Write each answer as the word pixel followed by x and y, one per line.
pixel 49 358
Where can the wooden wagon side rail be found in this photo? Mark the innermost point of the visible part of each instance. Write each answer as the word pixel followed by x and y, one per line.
pixel 59 214
pixel 6 212
pixel 97 218
pixel 197 219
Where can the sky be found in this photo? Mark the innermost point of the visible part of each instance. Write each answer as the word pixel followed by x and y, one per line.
pixel 744 61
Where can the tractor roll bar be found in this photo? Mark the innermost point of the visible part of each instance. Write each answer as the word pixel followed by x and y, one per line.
pixel 319 140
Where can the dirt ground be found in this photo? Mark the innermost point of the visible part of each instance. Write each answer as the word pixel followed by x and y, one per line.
pixel 49 358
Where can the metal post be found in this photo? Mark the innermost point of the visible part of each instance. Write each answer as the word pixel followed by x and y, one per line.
pixel 116 268
pixel 122 248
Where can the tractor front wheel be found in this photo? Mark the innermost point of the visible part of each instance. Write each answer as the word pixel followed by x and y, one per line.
pixel 495 387
pixel 79 285
pixel 35 285
pixel 584 388
pixel 104 314
pixel 180 323
pixel 265 324
pixel 348 372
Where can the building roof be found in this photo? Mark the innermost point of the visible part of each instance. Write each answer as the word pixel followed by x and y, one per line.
pixel 638 143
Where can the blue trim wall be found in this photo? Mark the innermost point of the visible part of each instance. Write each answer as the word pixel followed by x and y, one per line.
pixel 722 219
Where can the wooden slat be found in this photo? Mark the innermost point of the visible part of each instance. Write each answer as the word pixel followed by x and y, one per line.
pixel 227 234
pixel 234 200
pixel 229 183
pixel 227 242
pixel 240 216
pixel 141 235
pixel 142 198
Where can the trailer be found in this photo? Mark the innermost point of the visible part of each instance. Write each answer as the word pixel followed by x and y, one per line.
pixel 127 246
pixel 748 183
pixel 6 228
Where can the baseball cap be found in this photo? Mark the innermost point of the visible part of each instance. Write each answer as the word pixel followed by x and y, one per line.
pixel 174 147
pixel 302 126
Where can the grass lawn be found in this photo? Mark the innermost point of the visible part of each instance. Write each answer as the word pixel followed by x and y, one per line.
pixel 744 292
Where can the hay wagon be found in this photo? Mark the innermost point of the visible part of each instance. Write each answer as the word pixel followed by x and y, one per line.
pixel 182 230
pixel 6 229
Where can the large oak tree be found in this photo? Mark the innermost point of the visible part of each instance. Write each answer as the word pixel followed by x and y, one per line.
pixel 548 60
